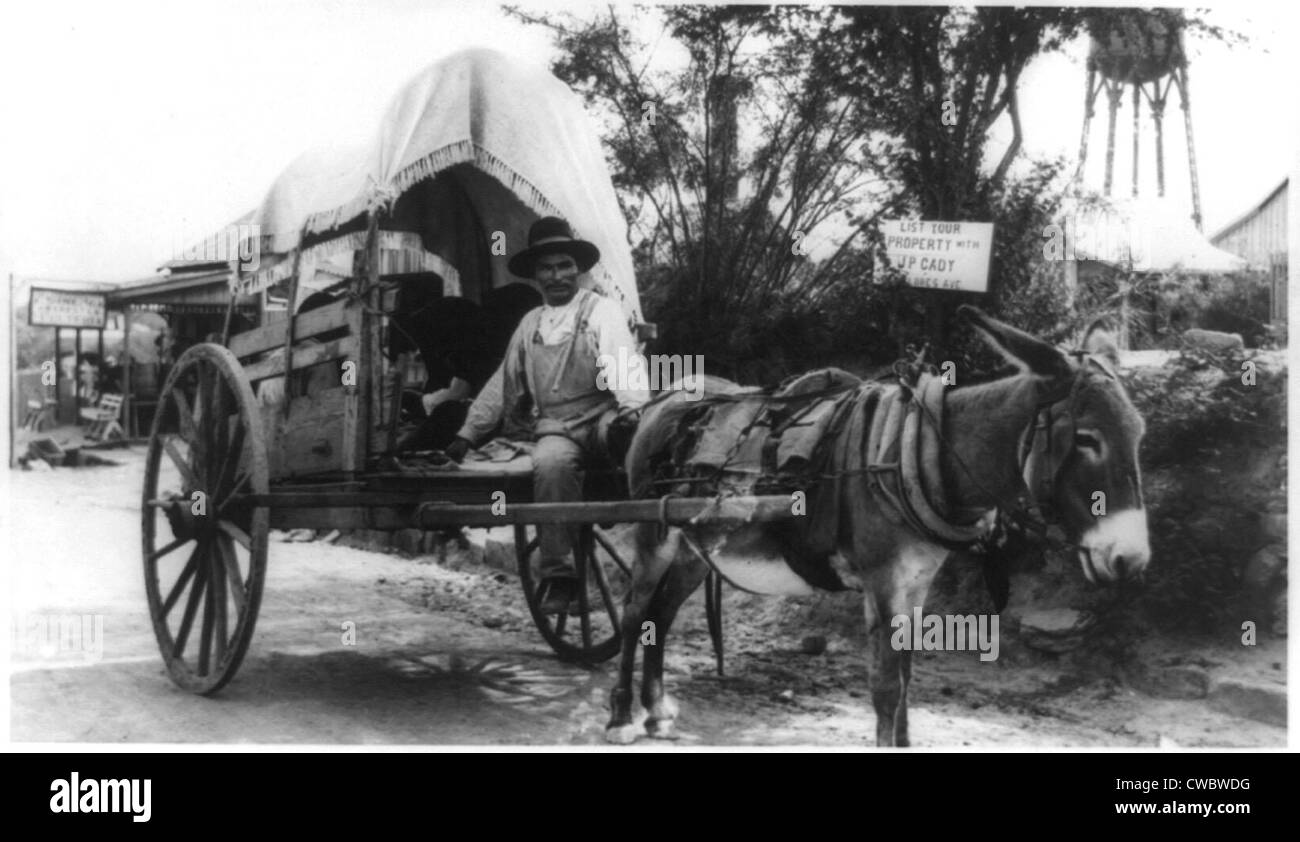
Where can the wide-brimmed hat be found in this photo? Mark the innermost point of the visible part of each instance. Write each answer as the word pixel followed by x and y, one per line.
pixel 552 235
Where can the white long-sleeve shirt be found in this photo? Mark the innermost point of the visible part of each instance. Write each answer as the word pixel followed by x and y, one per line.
pixel 615 345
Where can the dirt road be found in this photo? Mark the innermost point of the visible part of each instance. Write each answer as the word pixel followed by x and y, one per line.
pixel 449 657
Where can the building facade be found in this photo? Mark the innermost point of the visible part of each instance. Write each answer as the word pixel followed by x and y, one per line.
pixel 1260 236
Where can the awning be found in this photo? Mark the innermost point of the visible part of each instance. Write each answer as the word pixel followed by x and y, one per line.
pixel 1143 235
pixel 207 292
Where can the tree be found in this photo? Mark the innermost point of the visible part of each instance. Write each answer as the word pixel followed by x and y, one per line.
pixel 727 155
pixel 741 136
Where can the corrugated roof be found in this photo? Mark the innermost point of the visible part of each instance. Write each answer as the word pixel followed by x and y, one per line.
pixel 1259 206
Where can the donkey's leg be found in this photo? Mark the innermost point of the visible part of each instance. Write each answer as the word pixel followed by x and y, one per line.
pixel 900 715
pixel 914 572
pixel 653 559
pixel 681 581
pixel 882 667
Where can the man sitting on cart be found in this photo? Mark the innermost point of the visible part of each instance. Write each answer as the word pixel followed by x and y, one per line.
pixel 547 388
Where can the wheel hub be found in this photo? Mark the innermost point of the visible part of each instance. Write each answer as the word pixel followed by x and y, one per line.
pixel 185 524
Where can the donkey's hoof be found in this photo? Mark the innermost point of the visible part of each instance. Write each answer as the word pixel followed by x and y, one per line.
pixel 621 735
pixel 660 729
pixel 664 708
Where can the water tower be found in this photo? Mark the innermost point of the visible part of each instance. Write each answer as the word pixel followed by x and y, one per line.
pixel 1141 51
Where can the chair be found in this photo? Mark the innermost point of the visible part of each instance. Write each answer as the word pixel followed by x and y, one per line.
pixel 104 419
pixel 38 413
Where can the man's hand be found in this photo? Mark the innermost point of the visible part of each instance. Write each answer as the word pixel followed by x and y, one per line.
pixel 628 417
pixel 457 449
pixel 621 430
pixel 458 390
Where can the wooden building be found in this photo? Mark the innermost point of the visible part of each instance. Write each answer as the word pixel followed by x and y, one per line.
pixel 1260 236
pixel 193 299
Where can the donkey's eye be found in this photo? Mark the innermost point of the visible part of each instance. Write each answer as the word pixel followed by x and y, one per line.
pixel 1087 441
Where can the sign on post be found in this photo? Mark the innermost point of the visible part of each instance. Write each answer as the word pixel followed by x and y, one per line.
pixel 941 255
pixel 57 308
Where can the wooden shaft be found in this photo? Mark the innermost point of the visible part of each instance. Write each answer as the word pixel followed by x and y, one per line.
pixel 431 515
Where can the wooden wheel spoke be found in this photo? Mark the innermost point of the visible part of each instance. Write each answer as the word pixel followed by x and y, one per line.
pixel 187 473
pixel 209 617
pixel 230 562
pixel 613 553
pixel 235 532
pixel 584 614
pixel 179 587
pixel 189 431
pixel 231 462
pixel 202 397
pixel 217 422
pixel 219 601
pixel 191 606
pixel 606 595
pixel 234 490
pixel 164 550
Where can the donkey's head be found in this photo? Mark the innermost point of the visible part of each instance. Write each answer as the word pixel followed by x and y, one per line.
pixel 1080 450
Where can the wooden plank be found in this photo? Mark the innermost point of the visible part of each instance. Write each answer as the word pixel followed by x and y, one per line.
pixel 304 356
pixel 356 517
pixel 309 440
pixel 354 431
pixel 372 359
pixel 306 325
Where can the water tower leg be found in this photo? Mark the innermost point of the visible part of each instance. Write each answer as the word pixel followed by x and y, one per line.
pixel 1157 117
pixel 1137 134
pixel 1186 95
pixel 1090 91
pixel 1113 91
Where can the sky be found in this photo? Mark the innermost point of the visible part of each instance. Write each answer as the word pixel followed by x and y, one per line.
pixel 133 128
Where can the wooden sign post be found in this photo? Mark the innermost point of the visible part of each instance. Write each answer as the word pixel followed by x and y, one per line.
pixel 942 258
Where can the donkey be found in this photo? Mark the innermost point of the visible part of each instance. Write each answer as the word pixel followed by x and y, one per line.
pixel 995 452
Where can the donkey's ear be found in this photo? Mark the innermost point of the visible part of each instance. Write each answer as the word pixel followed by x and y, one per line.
pixel 1028 353
pixel 1098 341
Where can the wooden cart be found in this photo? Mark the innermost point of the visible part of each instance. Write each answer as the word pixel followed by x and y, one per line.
pixel 437 190
pixel 222 471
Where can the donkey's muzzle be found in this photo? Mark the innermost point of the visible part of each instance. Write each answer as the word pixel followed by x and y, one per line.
pixel 1116 548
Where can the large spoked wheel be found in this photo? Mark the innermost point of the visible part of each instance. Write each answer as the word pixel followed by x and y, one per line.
pixel 204 547
pixel 592 632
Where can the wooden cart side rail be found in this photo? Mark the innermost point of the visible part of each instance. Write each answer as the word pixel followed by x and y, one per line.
pixel 346 348
pixel 432 514
pixel 272 336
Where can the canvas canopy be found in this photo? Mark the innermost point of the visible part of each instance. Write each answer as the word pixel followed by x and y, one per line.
pixel 1145 235
pixel 469 153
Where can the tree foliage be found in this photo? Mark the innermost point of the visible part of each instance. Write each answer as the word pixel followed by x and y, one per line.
pixel 755 150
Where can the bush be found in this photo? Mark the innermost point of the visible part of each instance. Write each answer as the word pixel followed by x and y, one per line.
pixel 1211 466
pixel 1202 402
